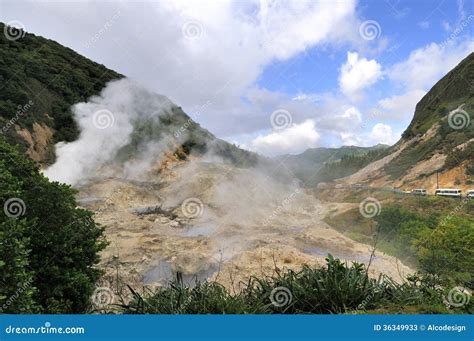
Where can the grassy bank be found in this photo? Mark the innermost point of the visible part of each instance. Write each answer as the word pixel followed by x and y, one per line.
pixel 336 288
pixel 433 234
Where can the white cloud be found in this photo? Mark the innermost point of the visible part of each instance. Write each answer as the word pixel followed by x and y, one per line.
pixel 234 43
pixel 294 139
pixel 351 139
pixel 341 119
pixel 401 107
pixel 357 74
pixel 382 133
pixel 424 24
pixel 426 65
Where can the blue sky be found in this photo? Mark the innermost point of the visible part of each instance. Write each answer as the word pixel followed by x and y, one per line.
pixel 272 76
pixel 405 26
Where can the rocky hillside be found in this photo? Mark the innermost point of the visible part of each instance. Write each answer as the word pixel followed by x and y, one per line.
pixel 41 80
pixel 440 139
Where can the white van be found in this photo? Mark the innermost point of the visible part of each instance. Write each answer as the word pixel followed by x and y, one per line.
pixel 470 194
pixel 448 192
pixel 418 191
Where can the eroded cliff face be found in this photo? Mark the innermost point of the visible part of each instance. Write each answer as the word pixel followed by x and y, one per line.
pixel 39 141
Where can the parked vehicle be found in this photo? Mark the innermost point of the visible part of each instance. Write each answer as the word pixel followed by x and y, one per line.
pixel 449 192
pixel 470 194
pixel 418 191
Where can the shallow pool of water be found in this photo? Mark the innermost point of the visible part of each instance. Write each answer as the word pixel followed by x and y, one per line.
pixel 163 274
pixel 200 231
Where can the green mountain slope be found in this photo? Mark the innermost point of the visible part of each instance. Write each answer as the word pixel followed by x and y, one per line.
pixel 437 148
pixel 454 89
pixel 448 110
pixel 40 81
pixel 325 164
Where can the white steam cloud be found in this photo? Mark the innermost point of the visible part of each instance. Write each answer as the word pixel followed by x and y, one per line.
pixel 106 123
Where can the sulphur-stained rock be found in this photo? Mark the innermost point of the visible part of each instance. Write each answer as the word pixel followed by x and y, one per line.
pixel 234 230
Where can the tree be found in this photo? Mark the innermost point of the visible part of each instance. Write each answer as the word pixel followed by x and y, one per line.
pixel 47 240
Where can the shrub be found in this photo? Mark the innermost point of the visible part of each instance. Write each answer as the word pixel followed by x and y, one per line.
pixel 335 288
pixel 52 244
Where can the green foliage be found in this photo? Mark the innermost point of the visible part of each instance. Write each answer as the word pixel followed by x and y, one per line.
pixel 441 244
pixel 50 75
pixel 53 246
pixel 448 250
pixel 326 164
pixel 349 164
pixel 335 288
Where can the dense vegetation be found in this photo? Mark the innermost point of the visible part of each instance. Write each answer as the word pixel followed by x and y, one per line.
pixel 326 164
pixel 349 165
pixel 335 288
pixel 433 234
pixel 48 246
pixel 52 77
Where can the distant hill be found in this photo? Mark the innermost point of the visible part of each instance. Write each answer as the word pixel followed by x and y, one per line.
pixel 325 164
pixel 439 139
pixel 41 80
